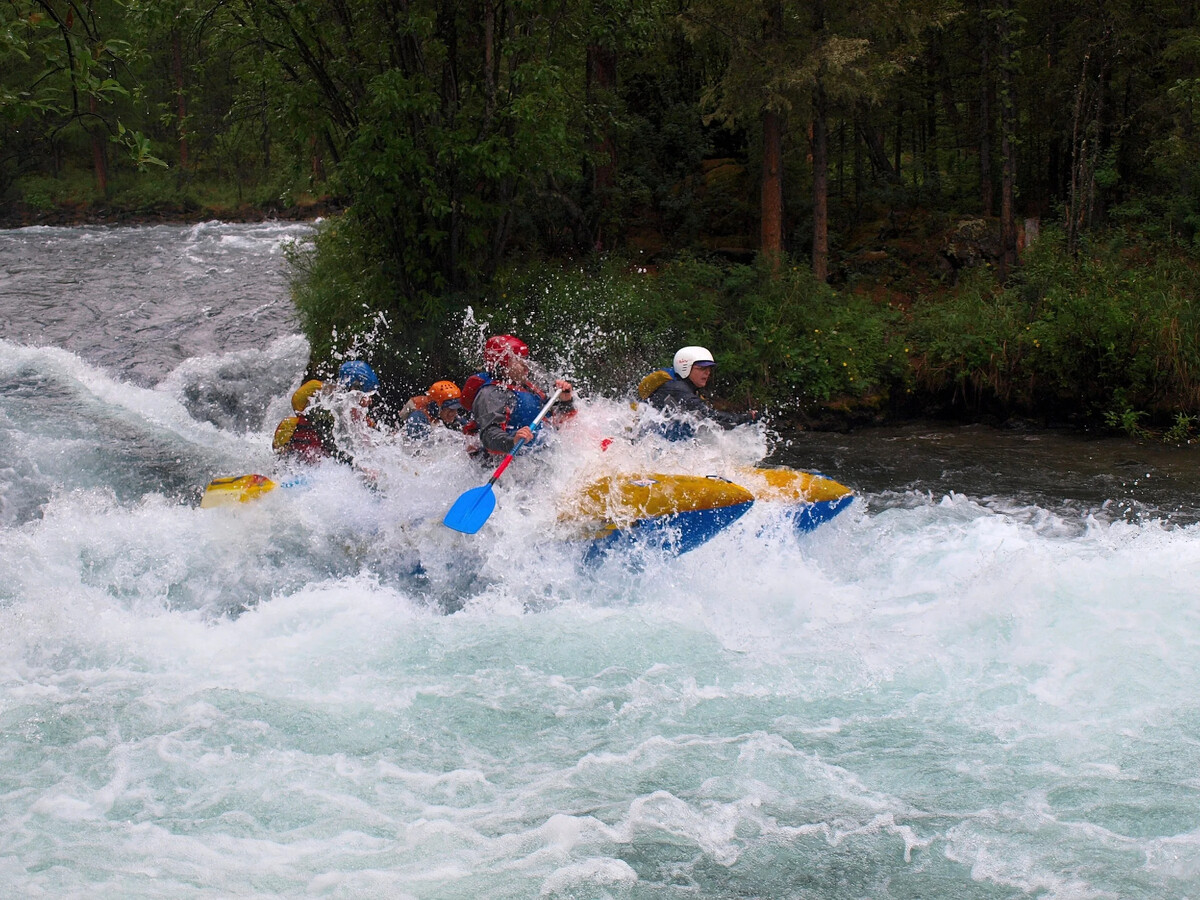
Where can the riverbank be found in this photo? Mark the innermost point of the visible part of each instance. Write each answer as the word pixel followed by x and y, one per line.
pixel 1104 342
pixel 24 215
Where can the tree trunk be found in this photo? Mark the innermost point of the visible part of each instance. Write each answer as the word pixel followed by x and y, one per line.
pixel 898 149
pixel 99 151
pixel 771 207
pixel 986 194
pixel 820 184
pixel 771 243
pixel 489 64
pixel 180 97
pixel 873 141
pixel 602 82
pixel 1085 149
pixel 1008 150
pixel 264 124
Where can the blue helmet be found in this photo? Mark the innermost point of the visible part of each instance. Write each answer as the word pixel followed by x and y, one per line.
pixel 358 376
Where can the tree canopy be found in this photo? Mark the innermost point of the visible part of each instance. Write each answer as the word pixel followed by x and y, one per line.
pixel 458 136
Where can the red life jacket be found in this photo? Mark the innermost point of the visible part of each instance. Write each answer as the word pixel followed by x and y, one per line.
pixel 471 388
pixel 296 436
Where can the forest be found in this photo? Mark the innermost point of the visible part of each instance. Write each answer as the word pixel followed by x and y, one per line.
pixel 985 209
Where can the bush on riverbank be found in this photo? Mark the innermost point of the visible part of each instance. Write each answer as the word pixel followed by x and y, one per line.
pixel 785 341
pixel 1111 336
pixel 72 198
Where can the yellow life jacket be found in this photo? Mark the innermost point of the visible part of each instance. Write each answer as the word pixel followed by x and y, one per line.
pixel 653 382
pixel 284 431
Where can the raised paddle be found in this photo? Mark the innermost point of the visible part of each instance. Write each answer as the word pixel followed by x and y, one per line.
pixel 472 509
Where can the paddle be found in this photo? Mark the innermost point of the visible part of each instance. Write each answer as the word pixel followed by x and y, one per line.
pixel 472 509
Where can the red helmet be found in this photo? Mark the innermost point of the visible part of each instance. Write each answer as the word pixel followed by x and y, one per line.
pixel 501 348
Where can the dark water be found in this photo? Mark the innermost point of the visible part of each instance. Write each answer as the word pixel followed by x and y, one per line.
pixel 1068 471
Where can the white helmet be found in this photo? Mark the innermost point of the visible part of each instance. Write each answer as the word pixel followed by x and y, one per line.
pixel 688 357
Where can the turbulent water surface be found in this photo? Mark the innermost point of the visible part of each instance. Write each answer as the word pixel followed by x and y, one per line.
pixel 977 682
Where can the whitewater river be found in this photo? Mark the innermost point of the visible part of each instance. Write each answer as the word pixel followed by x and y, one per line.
pixel 980 681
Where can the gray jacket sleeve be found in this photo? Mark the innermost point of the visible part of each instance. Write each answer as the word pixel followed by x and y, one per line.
pixel 679 395
pixel 490 410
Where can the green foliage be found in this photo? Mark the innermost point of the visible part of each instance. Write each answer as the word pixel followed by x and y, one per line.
pixel 970 343
pixel 1128 421
pixel 43 192
pixel 1181 429
pixel 795 343
pixel 65 76
pixel 1110 335
pixel 339 284
pixel 606 322
pixel 484 151
pixel 785 341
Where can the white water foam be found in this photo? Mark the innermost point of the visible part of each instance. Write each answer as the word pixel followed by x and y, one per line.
pixel 327 693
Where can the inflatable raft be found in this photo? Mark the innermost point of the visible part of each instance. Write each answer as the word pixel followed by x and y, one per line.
pixel 805 499
pixel 671 512
pixel 678 513
pixel 234 489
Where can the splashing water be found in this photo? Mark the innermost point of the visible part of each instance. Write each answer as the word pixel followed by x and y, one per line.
pixel 325 692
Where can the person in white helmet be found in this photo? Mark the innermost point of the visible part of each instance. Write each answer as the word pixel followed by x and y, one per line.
pixel 678 389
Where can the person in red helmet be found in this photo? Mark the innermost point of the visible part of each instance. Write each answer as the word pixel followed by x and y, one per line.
pixel 502 399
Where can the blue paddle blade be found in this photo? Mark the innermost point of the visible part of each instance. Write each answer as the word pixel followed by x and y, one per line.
pixel 471 510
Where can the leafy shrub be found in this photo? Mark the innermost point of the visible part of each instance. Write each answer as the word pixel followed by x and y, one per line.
pixel 785 340
pixel 796 343
pixel 969 344
pixel 350 308
pixel 1109 335
pixel 606 321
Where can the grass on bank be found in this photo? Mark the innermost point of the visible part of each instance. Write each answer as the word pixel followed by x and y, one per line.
pixel 156 191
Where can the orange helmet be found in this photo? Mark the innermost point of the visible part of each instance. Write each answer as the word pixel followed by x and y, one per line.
pixel 441 391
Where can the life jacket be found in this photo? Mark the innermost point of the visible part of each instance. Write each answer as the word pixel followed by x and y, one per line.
pixel 419 404
pixel 529 400
pixel 471 388
pixel 654 381
pixel 528 404
pixel 297 436
pixel 673 429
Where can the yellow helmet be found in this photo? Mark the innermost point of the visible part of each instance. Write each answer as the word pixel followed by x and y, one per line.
pixel 304 394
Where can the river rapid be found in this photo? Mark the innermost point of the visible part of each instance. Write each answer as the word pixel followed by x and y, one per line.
pixel 977 682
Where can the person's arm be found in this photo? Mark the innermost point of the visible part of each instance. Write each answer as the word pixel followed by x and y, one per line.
pixel 491 409
pixel 678 395
pixel 564 406
pixel 729 420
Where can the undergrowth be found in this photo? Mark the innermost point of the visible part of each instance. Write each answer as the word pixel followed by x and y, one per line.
pixel 1109 337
